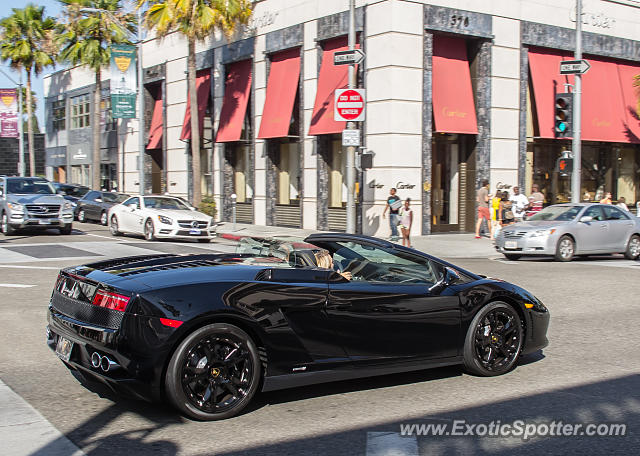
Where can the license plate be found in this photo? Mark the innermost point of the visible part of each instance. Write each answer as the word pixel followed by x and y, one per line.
pixel 44 222
pixel 195 231
pixel 63 348
pixel 511 244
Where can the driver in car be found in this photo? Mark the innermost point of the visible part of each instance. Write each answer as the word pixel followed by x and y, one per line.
pixel 325 260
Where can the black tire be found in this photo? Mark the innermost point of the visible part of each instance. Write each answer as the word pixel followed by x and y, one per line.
pixel 113 226
pixel 82 216
pixel 633 248
pixel 5 226
pixel 104 219
pixel 66 230
pixel 204 241
pixel 149 230
pixel 566 249
pixel 512 257
pixel 217 388
pixel 494 340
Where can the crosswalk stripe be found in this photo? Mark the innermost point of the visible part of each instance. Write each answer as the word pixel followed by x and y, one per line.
pixel 391 444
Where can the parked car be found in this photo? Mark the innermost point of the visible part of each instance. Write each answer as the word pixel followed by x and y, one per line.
pixel 70 192
pixel 32 202
pixel 207 330
pixel 160 217
pixel 95 206
pixel 567 230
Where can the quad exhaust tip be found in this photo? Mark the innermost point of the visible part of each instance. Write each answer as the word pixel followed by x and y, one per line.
pixel 103 362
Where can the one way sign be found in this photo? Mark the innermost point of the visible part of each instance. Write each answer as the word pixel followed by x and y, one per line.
pixel 574 67
pixel 348 57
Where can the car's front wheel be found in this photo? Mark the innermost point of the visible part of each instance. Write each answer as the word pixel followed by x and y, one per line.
pixel 633 248
pixel 512 256
pixel 5 226
pixel 104 219
pixel 566 249
pixel 82 217
pixel 66 229
pixel 214 372
pixel 494 340
pixel 113 226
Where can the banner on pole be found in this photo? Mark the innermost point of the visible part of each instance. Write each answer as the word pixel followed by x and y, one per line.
pixel 123 81
pixel 8 113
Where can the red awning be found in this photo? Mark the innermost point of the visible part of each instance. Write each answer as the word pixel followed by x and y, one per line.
pixel 330 78
pixel 236 96
pixel 630 94
pixel 155 132
pixel 281 94
pixel 203 87
pixel 453 108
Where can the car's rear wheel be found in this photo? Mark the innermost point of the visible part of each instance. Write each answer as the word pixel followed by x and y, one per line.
pixel 5 226
pixel 66 229
pixel 494 340
pixel 633 248
pixel 82 217
pixel 214 372
pixel 104 219
pixel 512 257
pixel 113 226
pixel 149 232
pixel 566 249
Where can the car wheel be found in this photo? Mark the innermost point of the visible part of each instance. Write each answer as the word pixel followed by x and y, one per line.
pixel 633 248
pixel 113 226
pixel 149 233
pixel 565 249
pixel 512 257
pixel 204 241
pixel 66 229
pixel 214 373
pixel 82 217
pixel 5 227
pixel 494 340
pixel 104 219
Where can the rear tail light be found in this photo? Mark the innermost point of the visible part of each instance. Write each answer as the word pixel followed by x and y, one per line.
pixel 110 300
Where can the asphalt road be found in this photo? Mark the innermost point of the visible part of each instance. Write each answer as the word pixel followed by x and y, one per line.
pixel 590 373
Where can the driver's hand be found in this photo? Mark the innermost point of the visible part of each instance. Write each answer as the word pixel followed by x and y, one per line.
pixel 347 275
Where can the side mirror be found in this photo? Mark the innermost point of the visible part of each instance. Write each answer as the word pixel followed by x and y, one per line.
pixel 133 206
pixel 586 219
pixel 192 208
pixel 98 200
pixel 450 277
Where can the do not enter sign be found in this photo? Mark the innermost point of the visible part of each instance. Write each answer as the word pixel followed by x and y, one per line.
pixel 349 105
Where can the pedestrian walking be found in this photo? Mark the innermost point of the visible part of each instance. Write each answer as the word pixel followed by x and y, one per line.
pixel 406 220
pixel 495 205
pixel 505 211
pixel 622 204
pixel 482 197
pixel 393 206
pixel 520 203
pixel 606 199
pixel 536 200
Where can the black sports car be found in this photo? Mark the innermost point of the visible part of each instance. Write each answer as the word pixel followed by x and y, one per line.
pixel 207 331
pixel 95 206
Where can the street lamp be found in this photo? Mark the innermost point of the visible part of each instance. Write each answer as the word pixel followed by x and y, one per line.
pixel 140 86
pixel 20 127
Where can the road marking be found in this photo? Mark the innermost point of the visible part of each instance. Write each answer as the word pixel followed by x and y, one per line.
pixel 15 285
pixel 391 444
pixel 111 238
pixel 28 267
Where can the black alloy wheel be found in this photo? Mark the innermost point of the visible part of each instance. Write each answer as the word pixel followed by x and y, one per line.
pixel 5 227
pixel 566 249
pixel 104 219
pixel 113 226
pixel 633 248
pixel 149 234
pixel 494 340
pixel 82 217
pixel 214 373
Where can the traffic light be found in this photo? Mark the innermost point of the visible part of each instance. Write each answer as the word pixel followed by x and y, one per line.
pixel 564 166
pixel 563 115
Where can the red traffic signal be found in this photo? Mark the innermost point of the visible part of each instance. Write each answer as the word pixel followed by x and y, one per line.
pixel 564 166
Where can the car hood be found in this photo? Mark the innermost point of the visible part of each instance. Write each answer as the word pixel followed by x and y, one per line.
pixel 536 225
pixel 186 214
pixel 35 199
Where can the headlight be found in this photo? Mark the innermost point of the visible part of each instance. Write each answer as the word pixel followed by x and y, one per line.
pixel 165 220
pixel 16 207
pixel 546 232
pixel 67 206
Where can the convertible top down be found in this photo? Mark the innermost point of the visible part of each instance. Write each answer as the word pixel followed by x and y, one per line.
pixel 208 331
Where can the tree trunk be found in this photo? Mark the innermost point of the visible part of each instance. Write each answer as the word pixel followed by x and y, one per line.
pixel 195 125
pixel 32 159
pixel 96 159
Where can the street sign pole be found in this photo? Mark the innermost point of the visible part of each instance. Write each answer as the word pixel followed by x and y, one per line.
pixel 141 142
pixel 21 166
pixel 576 144
pixel 351 150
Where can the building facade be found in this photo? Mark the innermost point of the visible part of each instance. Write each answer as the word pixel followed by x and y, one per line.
pixel 457 91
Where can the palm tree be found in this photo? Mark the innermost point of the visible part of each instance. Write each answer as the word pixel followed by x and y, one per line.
pixel 85 38
pixel 196 20
pixel 27 44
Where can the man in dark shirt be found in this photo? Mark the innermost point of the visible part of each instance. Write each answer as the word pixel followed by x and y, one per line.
pixel 393 205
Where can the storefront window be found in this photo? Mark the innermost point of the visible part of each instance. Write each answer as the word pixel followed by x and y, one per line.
pixel 80 175
pixel 337 174
pixel 241 172
pixel 288 174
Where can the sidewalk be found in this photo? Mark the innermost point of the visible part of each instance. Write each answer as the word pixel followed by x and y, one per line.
pixel 450 245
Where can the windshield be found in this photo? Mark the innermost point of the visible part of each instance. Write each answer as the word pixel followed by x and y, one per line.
pixel 557 213
pixel 26 186
pixel 153 202
pixel 114 197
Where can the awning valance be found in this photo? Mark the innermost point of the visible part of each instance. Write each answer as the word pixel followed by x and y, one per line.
pixel 236 96
pixel 282 87
pixel 203 88
pixel 453 106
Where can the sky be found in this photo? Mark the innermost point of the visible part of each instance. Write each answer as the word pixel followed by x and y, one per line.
pixel 52 8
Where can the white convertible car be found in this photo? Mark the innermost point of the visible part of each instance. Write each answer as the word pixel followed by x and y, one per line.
pixel 160 216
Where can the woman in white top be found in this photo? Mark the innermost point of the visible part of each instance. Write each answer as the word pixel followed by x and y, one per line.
pixel 622 203
pixel 406 220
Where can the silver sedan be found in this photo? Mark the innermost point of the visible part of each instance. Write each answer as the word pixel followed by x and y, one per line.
pixel 566 230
